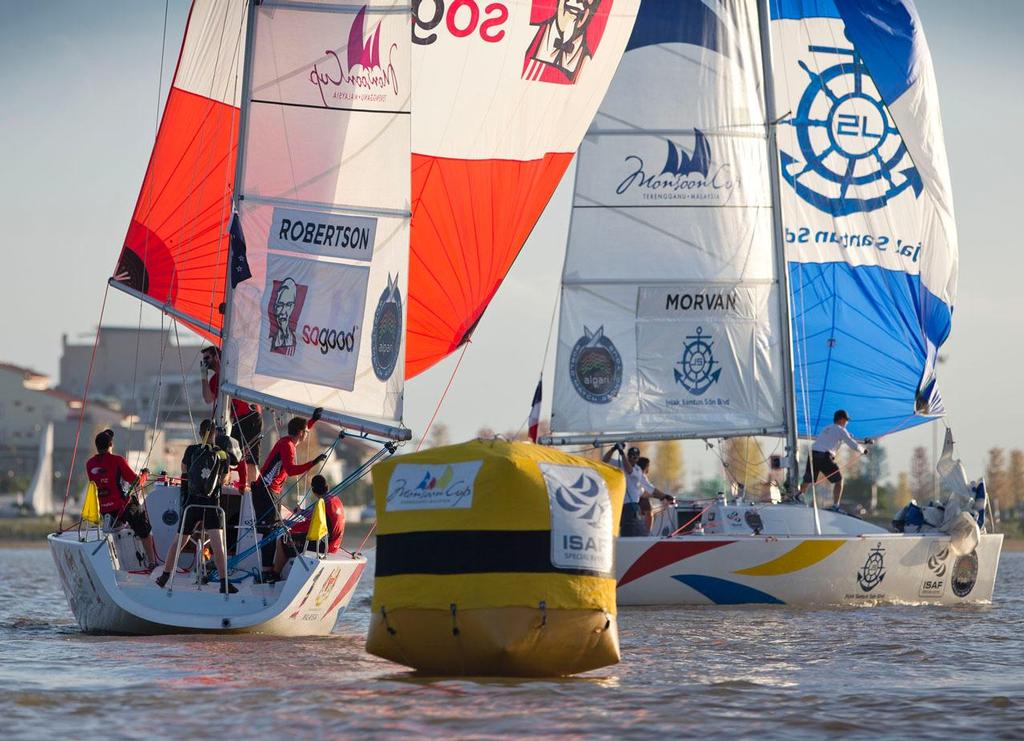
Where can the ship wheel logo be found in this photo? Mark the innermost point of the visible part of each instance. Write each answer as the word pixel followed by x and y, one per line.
pixel 697 372
pixel 873 570
pixel 852 158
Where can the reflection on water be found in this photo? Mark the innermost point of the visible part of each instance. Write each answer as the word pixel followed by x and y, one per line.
pixel 893 671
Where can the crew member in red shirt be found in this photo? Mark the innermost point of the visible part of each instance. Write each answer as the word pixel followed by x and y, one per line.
pixel 290 545
pixel 114 478
pixel 278 466
pixel 246 418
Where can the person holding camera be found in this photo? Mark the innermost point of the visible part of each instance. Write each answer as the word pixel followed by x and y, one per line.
pixel 638 490
pixel 246 418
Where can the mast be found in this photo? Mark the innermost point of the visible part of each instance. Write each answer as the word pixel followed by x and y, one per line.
pixel 779 244
pixel 223 414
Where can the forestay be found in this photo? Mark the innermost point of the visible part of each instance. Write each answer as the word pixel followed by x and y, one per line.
pixel 324 201
pixel 670 309
pixel 870 234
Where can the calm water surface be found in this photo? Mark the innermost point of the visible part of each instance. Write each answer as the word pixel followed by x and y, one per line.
pixel 858 672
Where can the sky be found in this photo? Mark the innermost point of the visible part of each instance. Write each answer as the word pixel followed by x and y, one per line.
pixel 82 85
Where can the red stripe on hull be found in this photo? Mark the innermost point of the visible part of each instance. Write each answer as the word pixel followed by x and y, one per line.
pixel 667 552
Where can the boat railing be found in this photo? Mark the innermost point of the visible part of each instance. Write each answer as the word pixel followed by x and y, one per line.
pixel 200 541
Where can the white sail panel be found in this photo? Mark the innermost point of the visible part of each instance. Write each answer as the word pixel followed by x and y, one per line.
pixel 324 207
pixel 870 234
pixel 670 313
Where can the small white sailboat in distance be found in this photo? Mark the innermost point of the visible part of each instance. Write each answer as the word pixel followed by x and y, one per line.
pixel 763 234
pixel 313 313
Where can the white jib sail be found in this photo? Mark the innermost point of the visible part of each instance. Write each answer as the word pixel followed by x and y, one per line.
pixel 669 323
pixel 324 200
pixel 40 491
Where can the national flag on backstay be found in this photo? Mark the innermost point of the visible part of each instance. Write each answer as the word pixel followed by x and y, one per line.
pixel 535 411
pixel 239 263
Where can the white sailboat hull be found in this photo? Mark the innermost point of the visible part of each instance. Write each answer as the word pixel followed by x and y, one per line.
pixel 107 595
pixel 804 571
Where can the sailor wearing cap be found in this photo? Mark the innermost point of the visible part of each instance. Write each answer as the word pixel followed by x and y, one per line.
pixel 638 487
pixel 823 455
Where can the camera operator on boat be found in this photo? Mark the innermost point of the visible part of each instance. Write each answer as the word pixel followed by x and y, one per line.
pixel 290 544
pixel 116 482
pixel 823 455
pixel 279 465
pixel 246 418
pixel 204 471
pixel 638 487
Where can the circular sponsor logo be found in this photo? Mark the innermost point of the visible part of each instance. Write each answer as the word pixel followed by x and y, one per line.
pixel 386 337
pixel 595 367
pixel 965 574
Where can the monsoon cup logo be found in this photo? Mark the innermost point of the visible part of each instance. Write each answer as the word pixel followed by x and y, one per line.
pixel 696 370
pixel 284 307
pixel 363 75
pixel 687 175
pixel 852 158
pixel 386 336
pixel 432 486
pixel 568 34
pixel 595 367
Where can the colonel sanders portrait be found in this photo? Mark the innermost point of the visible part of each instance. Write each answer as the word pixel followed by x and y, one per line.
pixel 282 305
pixel 559 48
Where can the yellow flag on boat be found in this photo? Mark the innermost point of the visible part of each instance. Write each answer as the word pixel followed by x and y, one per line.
pixel 91 508
pixel 317 523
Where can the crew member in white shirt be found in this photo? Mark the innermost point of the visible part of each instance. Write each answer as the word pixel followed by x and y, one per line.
pixel 823 455
pixel 638 486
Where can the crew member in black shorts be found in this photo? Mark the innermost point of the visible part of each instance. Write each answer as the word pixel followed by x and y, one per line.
pixel 823 455
pixel 204 470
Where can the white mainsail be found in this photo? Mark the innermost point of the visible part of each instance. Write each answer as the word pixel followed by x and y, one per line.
pixel 671 308
pixel 323 195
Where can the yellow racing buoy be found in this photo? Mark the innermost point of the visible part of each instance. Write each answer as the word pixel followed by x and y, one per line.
pixel 496 558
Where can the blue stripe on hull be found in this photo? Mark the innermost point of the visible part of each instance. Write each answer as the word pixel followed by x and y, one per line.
pixel 725 592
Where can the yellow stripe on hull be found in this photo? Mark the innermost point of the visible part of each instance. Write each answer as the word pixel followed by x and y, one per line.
pixel 806 554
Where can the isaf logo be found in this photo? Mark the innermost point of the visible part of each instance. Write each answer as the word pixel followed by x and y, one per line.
pixel 584 499
pixel 696 370
pixel 595 367
pixel 286 300
pixel 386 336
pixel 568 34
pixel 852 158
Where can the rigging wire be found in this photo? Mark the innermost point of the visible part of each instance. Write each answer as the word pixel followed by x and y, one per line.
pixel 85 399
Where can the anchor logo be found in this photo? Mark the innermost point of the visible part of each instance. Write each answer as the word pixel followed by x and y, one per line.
pixel 697 364
pixel 873 570
pixel 849 145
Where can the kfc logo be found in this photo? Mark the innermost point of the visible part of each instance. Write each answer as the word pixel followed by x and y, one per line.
pixel 568 33
pixel 284 308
